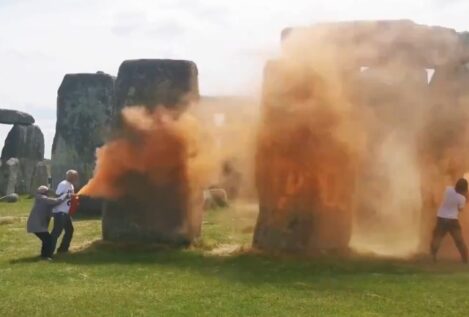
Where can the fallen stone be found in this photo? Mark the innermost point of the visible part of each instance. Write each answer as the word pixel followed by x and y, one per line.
pixel 8 116
pixel 10 198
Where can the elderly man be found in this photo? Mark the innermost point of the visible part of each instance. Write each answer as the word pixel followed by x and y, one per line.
pixel 62 219
pixel 38 221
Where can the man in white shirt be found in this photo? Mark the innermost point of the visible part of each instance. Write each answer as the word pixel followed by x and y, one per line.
pixel 62 219
pixel 447 218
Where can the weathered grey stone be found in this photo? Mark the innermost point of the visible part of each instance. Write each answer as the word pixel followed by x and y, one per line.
pixel 9 176
pixel 24 142
pixel 8 116
pixel 155 215
pixel 215 197
pixel 27 167
pixel 10 198
pixel 153 82
pixel 84 112
pixel 169 212
pixel 40 177
pixel 89 206
pixel 231 179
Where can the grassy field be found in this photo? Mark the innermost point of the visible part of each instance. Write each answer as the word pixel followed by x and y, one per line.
pixel 218 277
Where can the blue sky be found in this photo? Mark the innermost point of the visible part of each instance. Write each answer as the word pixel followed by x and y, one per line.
pixel 41 41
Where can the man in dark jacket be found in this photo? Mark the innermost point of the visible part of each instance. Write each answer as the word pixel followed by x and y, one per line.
pixel 38 221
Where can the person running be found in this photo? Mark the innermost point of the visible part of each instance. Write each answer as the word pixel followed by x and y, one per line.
pixel 447 219
pixel 62 219
pixel 38 221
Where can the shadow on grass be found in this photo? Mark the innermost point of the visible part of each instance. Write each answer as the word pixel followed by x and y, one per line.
pixel 30 259
pixel 247 267
pixel 84 217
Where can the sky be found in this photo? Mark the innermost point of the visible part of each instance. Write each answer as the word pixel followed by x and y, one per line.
pixel 41 41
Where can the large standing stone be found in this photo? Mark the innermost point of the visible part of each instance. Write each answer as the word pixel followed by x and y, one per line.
pixel 444 146
pixel 152 213
pixel 9 176
pixel 40 177
pixel 8 116
pixel 393 97
pixel 90 206
pixel 370 42
pixel 84 112
pixel 304 176
pixel 168 212
pixel 153 82
pixel 26 143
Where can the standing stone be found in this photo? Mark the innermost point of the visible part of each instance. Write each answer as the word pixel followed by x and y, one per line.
pixel 8 116
pixel 9 176
pixel 84 112
pixel 153 82
pixel 40 177
pixel 26 143
pixel 231 179
pixel 168 212
pixel 304 175
pixel 444 147
pixel 371 43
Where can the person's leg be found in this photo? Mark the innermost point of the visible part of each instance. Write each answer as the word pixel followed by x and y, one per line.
pixel 438 234
pixel 68 235
pixel 59 222
pixel 459 241
pixel 49 252
pixel 44 237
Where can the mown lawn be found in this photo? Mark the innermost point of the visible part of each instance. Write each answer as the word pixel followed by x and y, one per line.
pixel 218 277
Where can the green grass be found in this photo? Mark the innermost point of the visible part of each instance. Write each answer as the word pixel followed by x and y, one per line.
pixel 217 277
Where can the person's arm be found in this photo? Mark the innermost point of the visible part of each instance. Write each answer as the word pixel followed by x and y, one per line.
pixel 462 203
pixel 51 201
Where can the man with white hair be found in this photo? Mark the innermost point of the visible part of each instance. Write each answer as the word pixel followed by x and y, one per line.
pixel 62 219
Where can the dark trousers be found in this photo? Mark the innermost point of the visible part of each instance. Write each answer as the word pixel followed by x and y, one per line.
pixel 451 226
pixel 62 222
pixel 46 248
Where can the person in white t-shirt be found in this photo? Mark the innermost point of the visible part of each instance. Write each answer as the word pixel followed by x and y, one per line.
pixel 62 219
pixel 447 219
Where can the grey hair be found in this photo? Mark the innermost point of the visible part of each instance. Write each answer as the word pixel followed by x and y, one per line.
pixel 70 173
pixel 42 189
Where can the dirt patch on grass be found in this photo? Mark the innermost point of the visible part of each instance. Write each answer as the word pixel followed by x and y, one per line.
pixel 8 220
pixel 227 249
